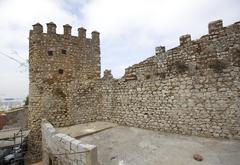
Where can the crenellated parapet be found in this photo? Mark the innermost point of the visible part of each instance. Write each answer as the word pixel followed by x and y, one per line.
pixel 51 28
pixel 107 74
pixel 215 26
pixel 184 39
pixel 67 32
pixel 82 32
pixel 95 37
pixel 160 50
pixel 37 28
pixel 190 54
pixel 56 62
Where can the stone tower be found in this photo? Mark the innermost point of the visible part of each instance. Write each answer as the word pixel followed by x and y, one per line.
pixel 56 62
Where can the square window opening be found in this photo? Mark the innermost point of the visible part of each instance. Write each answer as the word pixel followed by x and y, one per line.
pixel 50 53
pixel 60 71
pixel 64 51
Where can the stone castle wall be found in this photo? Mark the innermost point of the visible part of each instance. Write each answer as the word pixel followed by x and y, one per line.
pixel 57 61
pixel 86 99
pixel 192 89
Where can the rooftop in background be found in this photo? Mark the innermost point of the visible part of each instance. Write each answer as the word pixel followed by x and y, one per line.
pixel 7 104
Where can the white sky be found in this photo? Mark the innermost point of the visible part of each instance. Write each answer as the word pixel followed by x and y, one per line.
pixel 130 29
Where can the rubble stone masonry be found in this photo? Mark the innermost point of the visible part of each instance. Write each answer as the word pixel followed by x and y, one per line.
pixel 193 89
pixel 56 62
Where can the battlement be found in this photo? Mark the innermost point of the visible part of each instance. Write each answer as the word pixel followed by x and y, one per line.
pixel 184 39
pixel 107 74
pixel 194 48
pixel 160 50
pixel 215 26
pixel 37 28
pixel 62 51
pixel 67 31
pixel 82 32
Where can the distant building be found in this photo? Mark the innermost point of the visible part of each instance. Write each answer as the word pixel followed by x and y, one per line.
pixel 9 103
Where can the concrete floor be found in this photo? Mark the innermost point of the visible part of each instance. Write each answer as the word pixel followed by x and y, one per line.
pixel 133 146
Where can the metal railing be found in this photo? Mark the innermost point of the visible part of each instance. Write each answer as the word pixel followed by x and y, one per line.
pixel 14 154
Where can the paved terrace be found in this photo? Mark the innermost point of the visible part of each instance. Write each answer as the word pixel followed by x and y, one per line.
pixel 119 145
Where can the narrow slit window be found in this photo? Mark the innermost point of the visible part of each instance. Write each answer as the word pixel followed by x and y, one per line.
pixel 50 161
pixel 60 71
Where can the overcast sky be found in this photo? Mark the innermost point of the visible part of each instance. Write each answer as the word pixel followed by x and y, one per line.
pixel 130 29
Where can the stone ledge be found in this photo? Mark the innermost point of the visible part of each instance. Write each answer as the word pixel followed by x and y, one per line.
pixel 66 149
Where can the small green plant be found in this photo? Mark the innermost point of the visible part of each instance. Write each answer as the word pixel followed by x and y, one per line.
pixel 26 101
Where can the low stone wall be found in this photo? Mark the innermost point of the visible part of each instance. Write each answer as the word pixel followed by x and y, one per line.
pixel 59 148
